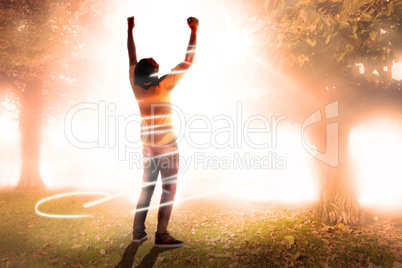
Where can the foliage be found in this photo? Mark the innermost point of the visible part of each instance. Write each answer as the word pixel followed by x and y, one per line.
pixel 217 232
pixel 34 31
pixel 52 40
pixel 327 37
pixel 51 35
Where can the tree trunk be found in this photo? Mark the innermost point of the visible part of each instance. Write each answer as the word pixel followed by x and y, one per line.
pixel 338 196
pixel 30 129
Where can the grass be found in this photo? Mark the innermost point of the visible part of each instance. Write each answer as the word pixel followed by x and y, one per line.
pixel 218 233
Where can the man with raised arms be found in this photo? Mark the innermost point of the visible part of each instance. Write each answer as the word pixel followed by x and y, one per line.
pixel 160 150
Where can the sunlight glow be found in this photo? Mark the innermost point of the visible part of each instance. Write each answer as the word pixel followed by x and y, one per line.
pixel 295 183
pixel 8 129
pixel 376 149
pixel 237 41
pixel 397 70
pixel 10 143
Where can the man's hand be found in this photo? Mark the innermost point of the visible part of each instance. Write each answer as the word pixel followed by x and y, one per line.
pixel 130 23
pixel 193 23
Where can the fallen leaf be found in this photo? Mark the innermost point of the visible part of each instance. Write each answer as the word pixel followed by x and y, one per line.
pixel 347 229
pixel 326 228
pixel 296 256
pixel 76 246
pixel 326 242
pixel 290 239
pixel 220 255
pixel 102 252
pixel 340 225
pixel 52 260
pixel 226 246
pixel 396 264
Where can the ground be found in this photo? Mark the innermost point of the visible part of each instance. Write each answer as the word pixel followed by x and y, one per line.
pixel 217 232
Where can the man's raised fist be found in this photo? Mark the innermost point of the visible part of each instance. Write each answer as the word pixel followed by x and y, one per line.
pixel 130 22
pixel 192 23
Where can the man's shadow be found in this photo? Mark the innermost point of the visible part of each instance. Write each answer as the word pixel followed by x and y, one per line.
pixel 146 262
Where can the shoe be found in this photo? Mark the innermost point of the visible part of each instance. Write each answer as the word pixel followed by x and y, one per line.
pixel 165 240
pixel 139 238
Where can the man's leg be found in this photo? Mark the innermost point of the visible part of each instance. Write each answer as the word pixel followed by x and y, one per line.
pixel 151 171
pixel 169 168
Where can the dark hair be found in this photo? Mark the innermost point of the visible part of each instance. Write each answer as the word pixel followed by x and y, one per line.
pixel 143 72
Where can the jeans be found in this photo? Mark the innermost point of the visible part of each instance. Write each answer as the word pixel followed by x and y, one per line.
pixel 163 159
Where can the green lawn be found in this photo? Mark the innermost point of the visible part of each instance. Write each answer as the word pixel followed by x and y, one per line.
pixel 218 233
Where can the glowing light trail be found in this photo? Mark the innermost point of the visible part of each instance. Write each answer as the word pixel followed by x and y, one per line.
pixel 60 196
pixel 156 132
pixel 157 126
pixel 161 155
pixel 180 72
pixel 129 190
pixel 224 189
pixel 154 116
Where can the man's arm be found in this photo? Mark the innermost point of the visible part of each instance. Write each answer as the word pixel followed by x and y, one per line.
pixel 132 54
pixel 170 80
pixel 193 24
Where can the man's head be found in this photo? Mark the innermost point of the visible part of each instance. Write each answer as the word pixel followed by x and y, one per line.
pixel 146 72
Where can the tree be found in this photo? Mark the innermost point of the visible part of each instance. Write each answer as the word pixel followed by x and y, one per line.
pixel 34 36
pixel 321 44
